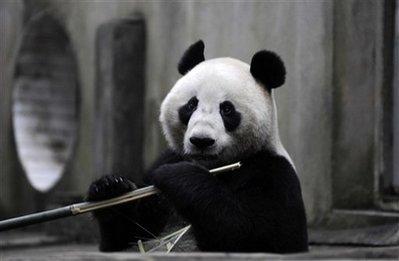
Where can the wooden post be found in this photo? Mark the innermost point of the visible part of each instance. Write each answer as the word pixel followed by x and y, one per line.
pixel 120 102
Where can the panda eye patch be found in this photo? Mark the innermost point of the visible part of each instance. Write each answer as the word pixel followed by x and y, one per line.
pixel 231 117
pixel 227 108
pixel 187 110
pixel 192 104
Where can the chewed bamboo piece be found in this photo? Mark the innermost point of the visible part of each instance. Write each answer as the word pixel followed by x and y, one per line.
pixel 80 208
pixel 164 244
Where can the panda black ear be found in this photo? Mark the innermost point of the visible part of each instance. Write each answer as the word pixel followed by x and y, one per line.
pixel 191 57
pixel 268 69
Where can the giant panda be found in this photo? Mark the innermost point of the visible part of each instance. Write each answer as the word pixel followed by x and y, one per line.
pixel 220 111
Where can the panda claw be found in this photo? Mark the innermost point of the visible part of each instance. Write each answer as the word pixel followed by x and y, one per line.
pixel 109 187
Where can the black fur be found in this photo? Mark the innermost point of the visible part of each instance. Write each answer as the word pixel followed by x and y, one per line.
pixel 187 110
pixel 268 69
pixel 123 225
pixel 231 117
pixel 191 57
pixel 257 208
pixel 118 225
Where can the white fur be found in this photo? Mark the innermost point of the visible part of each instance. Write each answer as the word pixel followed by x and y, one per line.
pixel 213 82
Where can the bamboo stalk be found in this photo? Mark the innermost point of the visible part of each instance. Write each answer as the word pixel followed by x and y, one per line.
pixel 83 207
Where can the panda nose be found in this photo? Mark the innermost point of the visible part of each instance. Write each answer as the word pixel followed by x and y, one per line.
pixel 202 143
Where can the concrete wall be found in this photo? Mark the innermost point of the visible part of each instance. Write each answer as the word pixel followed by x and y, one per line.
pixel 396 100
pixel 356 60
pixel 15 191
pixel 302 32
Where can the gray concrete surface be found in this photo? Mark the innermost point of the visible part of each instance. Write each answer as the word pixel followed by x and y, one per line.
pixel 90 252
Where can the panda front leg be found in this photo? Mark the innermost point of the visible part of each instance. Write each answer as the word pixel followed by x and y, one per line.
pixel 122 225
pixel 125 224
pixel 219 221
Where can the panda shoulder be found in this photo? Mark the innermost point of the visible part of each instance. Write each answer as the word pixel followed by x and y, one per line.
pixel 268 165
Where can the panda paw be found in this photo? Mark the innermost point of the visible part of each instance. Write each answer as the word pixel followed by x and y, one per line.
pixel 108 187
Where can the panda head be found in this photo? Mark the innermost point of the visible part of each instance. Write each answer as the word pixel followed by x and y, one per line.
pixel 223 109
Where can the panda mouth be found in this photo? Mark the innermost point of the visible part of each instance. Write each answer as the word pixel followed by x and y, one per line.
pixel 202 156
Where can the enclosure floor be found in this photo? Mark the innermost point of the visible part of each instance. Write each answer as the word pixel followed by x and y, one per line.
pixel 90 252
